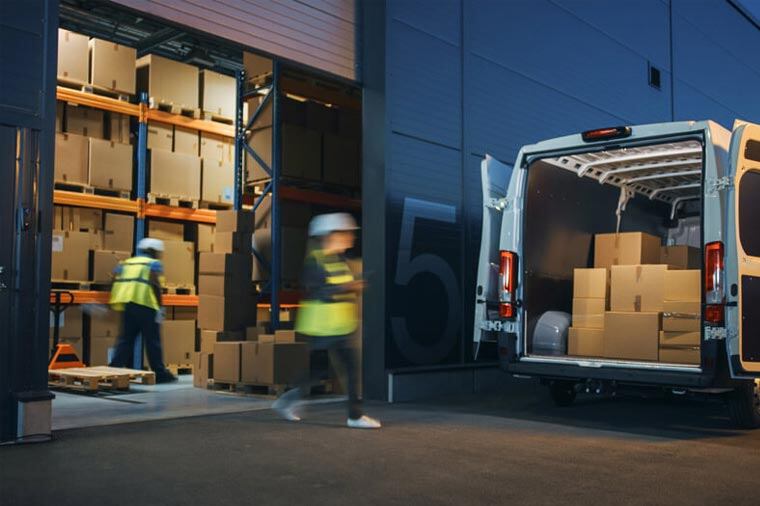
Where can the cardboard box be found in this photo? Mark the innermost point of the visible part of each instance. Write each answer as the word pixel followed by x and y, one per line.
pixel 217 94
pixel 585 342
pixel 71 158
pixel 175 174
pixel 224 264
pixel 681 257
pixel 100 350
pixel 58 217
pixel 72 57
pixel 683 285
pixel 225 286
pixel 70 324
pixel 341 160
pixel 681 355
pixel 81 120
pixel 166 230
pixel 682 316
pixel 160 136
pixel 110 165
pixel 104 263
pixel 225 275
pixel 591 283
pixel 301 153
pixel 234 221
pixel 292 214
pixel 217 148
pixel 179 264
pixel 627 248
pixel 589 313
pixel 253 333
pixel 81 219
pixel 59 107
pixel 178 341
pixel 233 242
pixel 119 232
pixel 637 287
pixel 273 363
pixel 168 81
pixel 186 141
pixel 220 313
pixel 631 336
pixel 294 242
pixel 119 128
pixel 112 66
pixel 105 324
pixel 227 362
pixel 205 238
pixel 184 313
pixel 218 181
pixel 203 369
pixel 209 338
pixel 71 256
pixel 677 339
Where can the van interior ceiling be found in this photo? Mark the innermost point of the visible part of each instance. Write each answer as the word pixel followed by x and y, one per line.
pixel 652 188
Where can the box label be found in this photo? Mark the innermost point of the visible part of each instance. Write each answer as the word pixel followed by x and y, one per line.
pixel 57 243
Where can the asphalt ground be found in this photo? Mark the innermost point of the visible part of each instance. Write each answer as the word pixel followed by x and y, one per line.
pixel 506 448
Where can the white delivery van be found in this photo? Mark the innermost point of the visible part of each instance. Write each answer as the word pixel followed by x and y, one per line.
pixel 692 183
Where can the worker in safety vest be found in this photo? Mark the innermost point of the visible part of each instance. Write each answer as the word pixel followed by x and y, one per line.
pixel 136 292
pixel 328 315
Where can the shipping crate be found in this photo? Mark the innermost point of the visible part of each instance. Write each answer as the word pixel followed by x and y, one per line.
pixel 187 141
pixel 119 232
pixel 104 263
pixel 626 248
pixel 71 158
pixel 160 136
pixel 72 57
pixel 179 267
pixel 70 260
pixel 175 175
pixel 110 165
pixel 82 120
pixel 218 181
pixel 112 66
pixel 218 93
pixel 169 83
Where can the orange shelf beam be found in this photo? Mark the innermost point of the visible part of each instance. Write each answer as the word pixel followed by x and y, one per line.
pixel 99 297
pixel 212 127
pixel 96 101
pixel 180 213
pixel 67 198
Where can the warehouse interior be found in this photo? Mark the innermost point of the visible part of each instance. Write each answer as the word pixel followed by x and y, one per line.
pixel 189 158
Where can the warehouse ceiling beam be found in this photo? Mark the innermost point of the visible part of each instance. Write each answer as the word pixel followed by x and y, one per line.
pixel 159 38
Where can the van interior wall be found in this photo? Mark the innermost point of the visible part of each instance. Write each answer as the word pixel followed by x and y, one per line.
pixel 562 214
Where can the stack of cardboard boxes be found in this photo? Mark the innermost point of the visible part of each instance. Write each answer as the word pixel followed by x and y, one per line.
pixel 624 320
pixel 227 301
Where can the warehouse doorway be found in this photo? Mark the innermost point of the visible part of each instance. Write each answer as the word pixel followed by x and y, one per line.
pixel 100 213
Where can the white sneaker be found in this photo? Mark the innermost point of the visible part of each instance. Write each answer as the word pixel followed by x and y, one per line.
pixel 286 410
pixel 364 422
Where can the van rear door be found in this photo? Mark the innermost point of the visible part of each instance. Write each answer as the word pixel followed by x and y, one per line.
pixel 494 179
pixel 743 311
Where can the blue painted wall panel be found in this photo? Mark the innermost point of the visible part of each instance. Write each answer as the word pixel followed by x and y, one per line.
pixel 439 18
pixel 424 86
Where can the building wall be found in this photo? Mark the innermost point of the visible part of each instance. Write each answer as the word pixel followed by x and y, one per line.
pixel 470 77
pixel 318 33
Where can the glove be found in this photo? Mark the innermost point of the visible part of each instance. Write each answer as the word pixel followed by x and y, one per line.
pixel 160 316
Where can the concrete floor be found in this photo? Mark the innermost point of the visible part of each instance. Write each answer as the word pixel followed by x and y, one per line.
pixel 511 448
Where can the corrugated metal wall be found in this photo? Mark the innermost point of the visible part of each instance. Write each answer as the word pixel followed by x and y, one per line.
pixel 318 33
pixel 469 77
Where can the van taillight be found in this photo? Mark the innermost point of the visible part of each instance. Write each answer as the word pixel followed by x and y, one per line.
pixel 601 134
pixel 507 283
pixel 715 283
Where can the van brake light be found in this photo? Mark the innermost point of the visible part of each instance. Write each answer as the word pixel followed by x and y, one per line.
pixel 715 294
pixel 507 284
pixel 601 134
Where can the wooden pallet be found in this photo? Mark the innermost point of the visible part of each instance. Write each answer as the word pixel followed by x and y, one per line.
pixel 179 290
pixel 68 284
pixel 96 90
pixel 212 116
pixel 177 369
pixel 92 190
pixel 144 377
pixel 182 110
pixel 216 206
pixel 324 387
pixel 171 200
pixel 85 379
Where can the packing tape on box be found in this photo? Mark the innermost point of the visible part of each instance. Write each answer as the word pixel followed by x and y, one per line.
pixel 637 304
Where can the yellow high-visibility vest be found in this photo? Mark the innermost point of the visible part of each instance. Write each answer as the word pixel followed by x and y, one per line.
pixel 132 284
pixel 337 318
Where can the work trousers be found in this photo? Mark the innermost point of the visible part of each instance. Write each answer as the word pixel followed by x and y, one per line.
pixel 345 357
pixel 137 319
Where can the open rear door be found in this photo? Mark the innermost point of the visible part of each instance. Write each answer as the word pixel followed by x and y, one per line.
pixel 745 161
pixel 495 179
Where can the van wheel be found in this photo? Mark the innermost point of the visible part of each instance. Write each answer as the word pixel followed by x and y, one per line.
pixel 744 406
pixel 562 392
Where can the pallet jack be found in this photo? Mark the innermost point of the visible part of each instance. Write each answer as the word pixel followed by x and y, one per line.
pixel 62 356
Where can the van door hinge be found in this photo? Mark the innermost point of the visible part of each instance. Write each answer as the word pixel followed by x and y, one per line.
pixel 720 184
pixel 498 204
pixel 491 325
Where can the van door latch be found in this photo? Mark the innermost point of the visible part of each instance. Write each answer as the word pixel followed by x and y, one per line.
pixel 498 204
pixel 720 184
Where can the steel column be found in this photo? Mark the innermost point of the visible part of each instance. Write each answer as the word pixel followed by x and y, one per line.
pixel 239 139
pixel 275 207
pixel 142 194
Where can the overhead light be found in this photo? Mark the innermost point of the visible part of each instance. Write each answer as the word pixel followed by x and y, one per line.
pixel 297 98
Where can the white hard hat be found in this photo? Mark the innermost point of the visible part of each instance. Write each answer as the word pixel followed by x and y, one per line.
pixel 327 223
pixel 150 243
